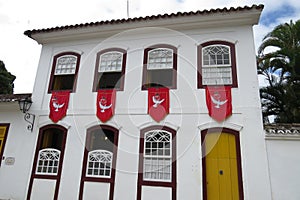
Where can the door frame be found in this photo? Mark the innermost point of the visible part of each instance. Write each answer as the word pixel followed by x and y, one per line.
pixel 111 180
pixel 61 159
pixel 238 157
pixel 6 125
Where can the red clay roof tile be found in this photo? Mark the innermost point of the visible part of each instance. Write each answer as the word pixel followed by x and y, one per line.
pixel 153 17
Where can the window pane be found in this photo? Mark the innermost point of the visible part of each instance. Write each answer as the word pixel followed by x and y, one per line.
pixel 160 58
pixel 216 69
pixel 65 65
pixel 52 138
pixel 111 62
pixel 216 55
pixel 63 82
pixel 100 139
pixel 109 80
pixel 48 160
pixel 159 78
pixel 157 157
pixel 216 76
pixel 157 169
pixel 99 163
pixel 206 59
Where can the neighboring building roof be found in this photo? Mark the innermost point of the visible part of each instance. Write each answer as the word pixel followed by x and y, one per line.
pixel 160 20
pixel 14 97
pixel 280 131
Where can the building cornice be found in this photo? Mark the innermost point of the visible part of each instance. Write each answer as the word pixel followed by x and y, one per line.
pixel 176 21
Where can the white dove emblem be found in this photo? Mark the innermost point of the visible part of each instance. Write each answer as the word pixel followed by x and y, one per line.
pixel 156 100
pixel 218 102
pixel 103 106
pixel 57 106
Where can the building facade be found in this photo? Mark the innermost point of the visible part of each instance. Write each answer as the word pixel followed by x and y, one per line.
pixel 182 152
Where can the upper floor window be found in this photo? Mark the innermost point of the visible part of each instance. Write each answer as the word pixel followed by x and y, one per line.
pixel 3 136
pixel 216 64
pixel 64 71
pixel 110 69
pixel 160 66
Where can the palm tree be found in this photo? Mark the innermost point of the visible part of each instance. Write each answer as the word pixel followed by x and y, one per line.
pixel 281 68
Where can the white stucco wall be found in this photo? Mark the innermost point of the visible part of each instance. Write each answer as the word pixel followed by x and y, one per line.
pixel 20 146
pixel 284 165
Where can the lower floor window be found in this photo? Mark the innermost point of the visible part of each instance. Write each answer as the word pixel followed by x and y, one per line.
pixel 157 156
pixel 99 163
pixel 48 161
pixel 157 169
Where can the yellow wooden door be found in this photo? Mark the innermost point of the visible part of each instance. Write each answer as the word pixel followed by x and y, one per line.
pixel 2 136
pixel 221 167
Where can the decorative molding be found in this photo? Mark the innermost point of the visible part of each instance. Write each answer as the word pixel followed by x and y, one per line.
pixel 98 122
pixel 232 126
pixel 55 52
pixel 153 123
pixel 48 122
pixel 282 131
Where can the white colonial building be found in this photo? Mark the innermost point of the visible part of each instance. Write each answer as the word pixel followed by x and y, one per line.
pixel 185 155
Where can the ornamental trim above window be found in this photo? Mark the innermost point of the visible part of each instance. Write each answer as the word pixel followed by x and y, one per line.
pixel 65 64
pixel 111 62
pixel 160 58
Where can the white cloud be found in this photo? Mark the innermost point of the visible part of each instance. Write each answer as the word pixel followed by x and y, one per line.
pixel 21 54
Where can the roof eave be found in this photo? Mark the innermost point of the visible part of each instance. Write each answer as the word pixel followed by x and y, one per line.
pixel 183 22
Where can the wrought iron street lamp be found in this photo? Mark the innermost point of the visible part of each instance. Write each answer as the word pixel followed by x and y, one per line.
pixel 25 105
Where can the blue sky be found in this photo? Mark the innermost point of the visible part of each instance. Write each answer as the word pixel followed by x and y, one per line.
pixel 21 54
pixel 273 16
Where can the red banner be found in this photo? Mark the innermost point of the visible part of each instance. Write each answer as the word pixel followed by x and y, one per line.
pixel 218 101
pixel 158 103
pixel 58 105
pixel 105 104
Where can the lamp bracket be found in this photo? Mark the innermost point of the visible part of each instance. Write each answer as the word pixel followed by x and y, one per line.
pixel 28 117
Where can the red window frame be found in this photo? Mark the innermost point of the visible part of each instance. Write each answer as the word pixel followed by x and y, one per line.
pixel 110 180
pixel 145 84
pixel 61 159
pixel 232 57
pixel 97 75
pixel 141 182
pixel 53 76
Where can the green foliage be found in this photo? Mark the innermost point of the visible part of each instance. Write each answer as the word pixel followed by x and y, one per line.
pixel 6 80
pixel 281 68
